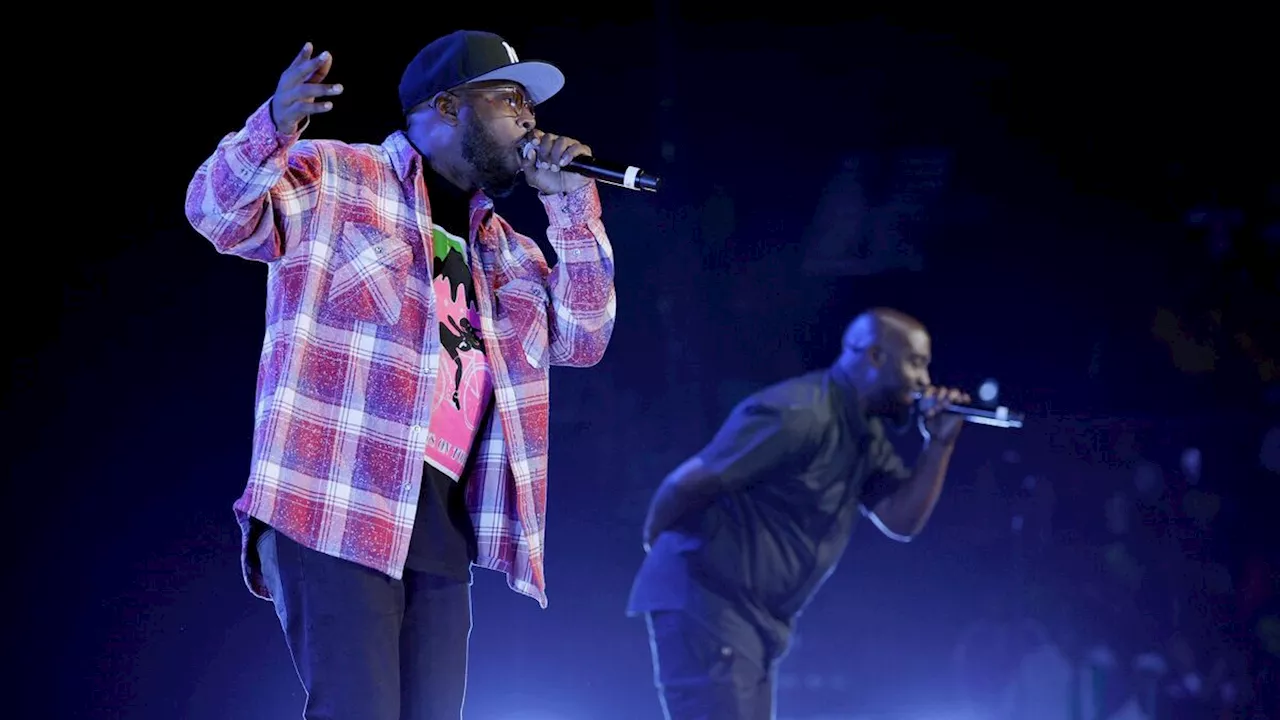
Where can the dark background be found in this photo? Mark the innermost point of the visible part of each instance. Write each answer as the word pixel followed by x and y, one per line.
pixel 1077 204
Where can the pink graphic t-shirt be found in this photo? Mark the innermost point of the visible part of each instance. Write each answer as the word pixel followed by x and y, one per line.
pixel 464 385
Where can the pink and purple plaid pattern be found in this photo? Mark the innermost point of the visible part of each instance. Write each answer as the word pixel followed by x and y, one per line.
pixel 352 346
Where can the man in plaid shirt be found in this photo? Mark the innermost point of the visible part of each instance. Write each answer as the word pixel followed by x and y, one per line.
pixel 400 431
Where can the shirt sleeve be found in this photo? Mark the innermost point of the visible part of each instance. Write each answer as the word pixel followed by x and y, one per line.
pixel 583 297
pixel 888 473
pixel 759 440
pixel 250 198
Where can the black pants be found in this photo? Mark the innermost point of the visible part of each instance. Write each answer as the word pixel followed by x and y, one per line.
pixel 368 647
pixel 700 677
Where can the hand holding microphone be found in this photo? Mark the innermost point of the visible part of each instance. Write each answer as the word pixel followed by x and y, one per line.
pixel 954 405
pixel 545 157
pixel 933 404
pixel 550 158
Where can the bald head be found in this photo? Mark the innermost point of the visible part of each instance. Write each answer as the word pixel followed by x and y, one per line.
pixel 886 353
pixel 878 326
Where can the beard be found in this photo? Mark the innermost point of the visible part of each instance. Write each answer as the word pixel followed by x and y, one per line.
pixel 497 172
pixel 887 404
pixel 899 416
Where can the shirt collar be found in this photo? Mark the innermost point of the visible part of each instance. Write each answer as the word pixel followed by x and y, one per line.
pixel 408 165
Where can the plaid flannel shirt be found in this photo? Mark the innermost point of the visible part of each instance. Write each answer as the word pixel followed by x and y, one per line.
pixel 351 345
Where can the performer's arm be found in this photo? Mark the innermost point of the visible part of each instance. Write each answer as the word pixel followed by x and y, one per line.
pixel 251 196
pixel 902 500
pixel 758 441
pixel 248 197
pixel 581 283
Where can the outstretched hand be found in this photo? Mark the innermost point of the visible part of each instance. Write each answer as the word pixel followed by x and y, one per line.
pixel 299 87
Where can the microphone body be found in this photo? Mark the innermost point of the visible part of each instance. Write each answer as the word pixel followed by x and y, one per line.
pixel 999 416
pixel 626 176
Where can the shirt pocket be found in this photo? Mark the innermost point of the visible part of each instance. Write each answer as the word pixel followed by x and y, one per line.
pixel 523 303
pixel 371 270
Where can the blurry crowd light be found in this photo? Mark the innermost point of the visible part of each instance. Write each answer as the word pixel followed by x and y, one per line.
pixel 1124 567
pixel 1188 353
pixel 1148 479
pixel 1200 506
pixel 1269 632
pixel 1191 465
pixel 1269 455
pixel 1117 511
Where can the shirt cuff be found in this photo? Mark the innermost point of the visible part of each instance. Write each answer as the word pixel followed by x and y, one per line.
pixel 572 209
pixel 263 139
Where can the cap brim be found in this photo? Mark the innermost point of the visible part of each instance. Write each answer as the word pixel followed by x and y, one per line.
pixel 541 79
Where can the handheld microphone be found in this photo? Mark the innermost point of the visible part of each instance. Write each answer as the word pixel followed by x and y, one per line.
pixel 626 176
pixel 999 416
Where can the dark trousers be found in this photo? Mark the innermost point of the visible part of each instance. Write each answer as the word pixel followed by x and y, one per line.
pixel 700 677
pixel 368 647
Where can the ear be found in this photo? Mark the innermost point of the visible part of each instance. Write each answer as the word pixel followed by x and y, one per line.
pixel 446 106
pixel 876 356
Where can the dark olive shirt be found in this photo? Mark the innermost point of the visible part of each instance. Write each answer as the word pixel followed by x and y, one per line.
pixel 800 463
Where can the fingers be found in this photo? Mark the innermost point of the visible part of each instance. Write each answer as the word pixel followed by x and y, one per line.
pixel 575 149
pixel 306 68
pixel 556 151
pixel 314 90
pixel 936 399
pixel 300 86
pixel 324 64
pixel 302 56
pixel 945 395
pixel 932 402
pixel 307 107
pixel 313 108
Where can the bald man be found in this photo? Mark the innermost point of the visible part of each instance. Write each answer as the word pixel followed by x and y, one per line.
pixel 741 535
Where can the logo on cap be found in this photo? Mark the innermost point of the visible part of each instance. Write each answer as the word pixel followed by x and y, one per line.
pixel 511 52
